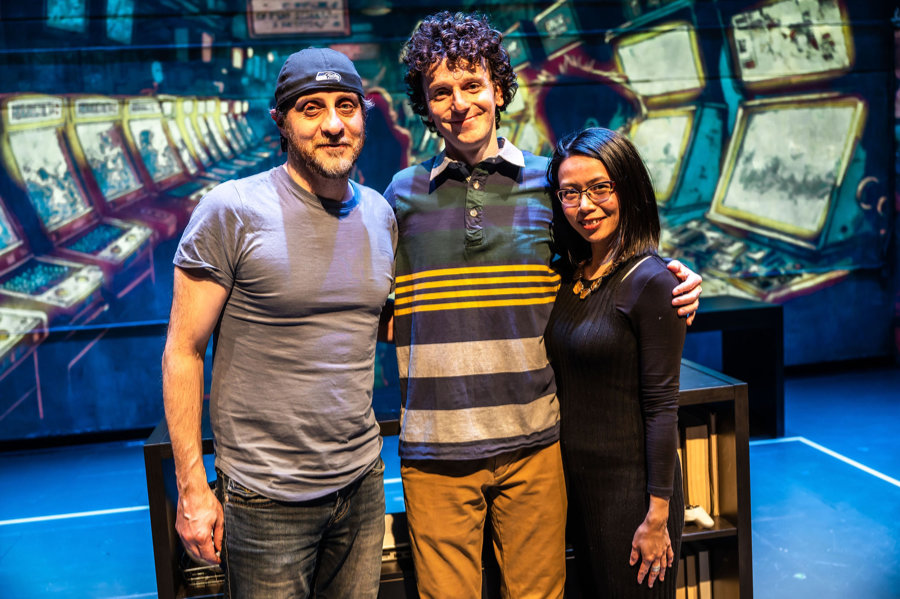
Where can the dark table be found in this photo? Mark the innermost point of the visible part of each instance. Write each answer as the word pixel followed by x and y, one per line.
pixel 752 351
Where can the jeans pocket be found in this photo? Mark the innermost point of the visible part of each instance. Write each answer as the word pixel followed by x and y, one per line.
pixel 238 494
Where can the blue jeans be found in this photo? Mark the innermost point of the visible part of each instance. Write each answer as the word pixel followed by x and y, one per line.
pixel 324 548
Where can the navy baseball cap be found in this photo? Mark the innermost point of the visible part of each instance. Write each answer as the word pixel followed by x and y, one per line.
pixel 315 69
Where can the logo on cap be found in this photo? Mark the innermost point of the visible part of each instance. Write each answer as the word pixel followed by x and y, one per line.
pixel 327 76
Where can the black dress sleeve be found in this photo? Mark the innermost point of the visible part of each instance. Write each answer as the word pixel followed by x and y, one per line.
pixel 645 297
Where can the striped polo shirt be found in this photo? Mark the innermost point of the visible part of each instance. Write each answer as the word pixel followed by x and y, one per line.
pixel 474 290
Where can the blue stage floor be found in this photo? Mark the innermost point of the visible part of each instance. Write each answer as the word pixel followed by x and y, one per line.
pixel 74 521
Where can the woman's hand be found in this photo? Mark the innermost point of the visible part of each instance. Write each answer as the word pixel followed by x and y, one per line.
pixel 651 544
pixel 687 294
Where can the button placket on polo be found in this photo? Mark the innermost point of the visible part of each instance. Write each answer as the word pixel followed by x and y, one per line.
pixel 475 195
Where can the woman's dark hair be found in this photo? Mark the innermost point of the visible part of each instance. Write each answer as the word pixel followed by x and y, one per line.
pixel 464 40
pixel 638 230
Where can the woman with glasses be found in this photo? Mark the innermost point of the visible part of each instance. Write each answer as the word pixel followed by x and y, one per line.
pixel 615 345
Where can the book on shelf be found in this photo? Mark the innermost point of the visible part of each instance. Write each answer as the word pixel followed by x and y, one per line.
pixel 690 576
pixel 704 582
pixel 680 588
pixel 696 456
pixel 713 465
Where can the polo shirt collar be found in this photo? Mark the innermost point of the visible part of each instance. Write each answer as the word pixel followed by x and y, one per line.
pixel 507 153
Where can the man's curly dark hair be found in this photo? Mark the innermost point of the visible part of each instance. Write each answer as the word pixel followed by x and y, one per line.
pixel 464 40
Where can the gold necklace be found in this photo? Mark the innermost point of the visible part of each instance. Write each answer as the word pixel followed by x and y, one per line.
pixel 580 289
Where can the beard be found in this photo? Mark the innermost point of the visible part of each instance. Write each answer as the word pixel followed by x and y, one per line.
pixel 305 155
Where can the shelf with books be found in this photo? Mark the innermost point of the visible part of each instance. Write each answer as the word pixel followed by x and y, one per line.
pixel 714 429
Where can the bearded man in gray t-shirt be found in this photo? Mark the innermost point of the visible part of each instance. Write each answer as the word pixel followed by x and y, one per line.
pixel 290 268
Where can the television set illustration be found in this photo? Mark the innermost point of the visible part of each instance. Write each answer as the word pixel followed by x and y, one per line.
pixel 681 148
pixel 67 15
pixel 664 65
pixel 679 136
pixel 120 20
pixel 36 157
pixel 790 42
pixel 558 28
pixel 112 174
pixel 782 219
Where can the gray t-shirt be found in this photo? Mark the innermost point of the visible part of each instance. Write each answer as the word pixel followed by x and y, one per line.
pixel 291 396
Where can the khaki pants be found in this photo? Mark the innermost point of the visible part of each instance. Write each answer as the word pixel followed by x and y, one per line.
pixel 447 502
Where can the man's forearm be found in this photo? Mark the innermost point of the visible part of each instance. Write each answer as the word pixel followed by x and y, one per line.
pixel 183 399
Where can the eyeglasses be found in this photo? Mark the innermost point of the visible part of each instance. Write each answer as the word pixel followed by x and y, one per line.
pixel 597 193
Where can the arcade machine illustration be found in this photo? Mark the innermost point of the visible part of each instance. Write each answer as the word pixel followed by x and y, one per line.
pixel 197 184
pixel 36 156
pixel 35 291
pixel 85 260
pixel 184 120
pixel 168 163
pixel 230 142
pixel 262 155
pixel 220 165
pixel 111 174
pixel 209 116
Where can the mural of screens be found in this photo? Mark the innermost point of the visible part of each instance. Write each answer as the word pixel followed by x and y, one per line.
pixel 69 15
pixel 153 145
pixel 47 175
pixel 205 133
pixel 232 132
pixel 8 237
pixel 104 150
pixel 119 20
pixel 791 40
pixel 217 138
pixel 787 161
pixel 662 62
pixel 661 140
pixel 183 150
pixel 195 141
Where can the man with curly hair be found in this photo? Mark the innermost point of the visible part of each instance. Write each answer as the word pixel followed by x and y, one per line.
pixel 474 289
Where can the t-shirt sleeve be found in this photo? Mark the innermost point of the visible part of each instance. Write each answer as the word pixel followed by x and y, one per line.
pixel 646 298
pixel 210 240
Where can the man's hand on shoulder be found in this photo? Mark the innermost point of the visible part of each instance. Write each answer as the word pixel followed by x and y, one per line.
pixel 687 293
pixel 200 524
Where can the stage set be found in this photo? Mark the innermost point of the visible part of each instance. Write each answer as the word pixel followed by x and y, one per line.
pixel 769 129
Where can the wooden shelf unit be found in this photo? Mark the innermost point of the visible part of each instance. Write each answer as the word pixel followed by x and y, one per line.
pixel 729 541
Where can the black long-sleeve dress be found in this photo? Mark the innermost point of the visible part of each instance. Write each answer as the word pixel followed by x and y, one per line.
pixel 617 356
